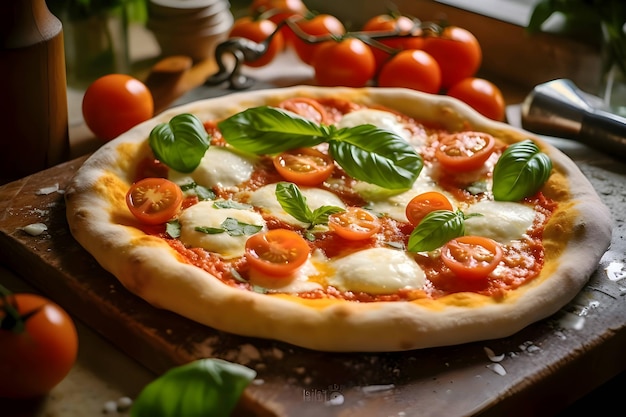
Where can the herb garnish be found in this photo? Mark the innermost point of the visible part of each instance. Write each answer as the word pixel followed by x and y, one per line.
pixel 232 227
pixel 436 229
pixel 294 203
pixel 366 152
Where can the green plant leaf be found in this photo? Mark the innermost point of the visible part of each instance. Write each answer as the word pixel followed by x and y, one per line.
pixel 542 11
pixel 436 229
pixel 205 387
pixel 270 130
pixel 376 156
pixel 294 203
pixel 520 172
pixel 181 143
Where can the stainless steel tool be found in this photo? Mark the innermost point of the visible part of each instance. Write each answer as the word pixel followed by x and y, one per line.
pixel 559 108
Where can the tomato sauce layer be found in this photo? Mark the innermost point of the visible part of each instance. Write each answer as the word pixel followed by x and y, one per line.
pixel 522 259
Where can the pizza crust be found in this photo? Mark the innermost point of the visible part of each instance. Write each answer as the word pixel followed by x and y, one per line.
pixel 577 235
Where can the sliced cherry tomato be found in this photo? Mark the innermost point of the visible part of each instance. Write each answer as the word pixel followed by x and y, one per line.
pixel 348 62
pixel 471 257
pixel 354 224
pixel 258 30
pixel 424 203
pixel 304 166
pixel 35 358
pixel 277 252
pixel 114 103
pixel 317 26
pixel 465 151
pixel 482 95
pixel 306 107
pixel 458 53
pixel 412 68
pixel 154 200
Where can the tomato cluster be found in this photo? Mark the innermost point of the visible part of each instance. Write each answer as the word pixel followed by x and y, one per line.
pixel 391 50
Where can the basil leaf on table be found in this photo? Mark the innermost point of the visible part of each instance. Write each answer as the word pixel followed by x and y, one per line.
pixel 365 152
pixel 436 229
pixel 181 143
pixel 205 387
pixel 520 172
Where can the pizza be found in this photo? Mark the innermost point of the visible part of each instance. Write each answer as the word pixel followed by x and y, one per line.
pixel 341 219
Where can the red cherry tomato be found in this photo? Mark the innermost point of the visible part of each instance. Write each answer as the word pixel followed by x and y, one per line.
pixel 154 200
pixel 348 62
pixel 114 103
pixel 424 203
pixel 316 26
pixel 465 151
pixel 354 224
pixel 277 252
pixel 458 53
pixel 258 30
pixel 411 69
pixel 306 107
pixel 305 166
pixel 471 257
pixel 482 95
pixel 391 23
pixel 36 359
pixel 278 10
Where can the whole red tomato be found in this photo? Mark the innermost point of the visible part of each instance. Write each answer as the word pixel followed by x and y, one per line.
pixel 391 23
pixel 114 103
pixel 316 26
pixel 482 95
pixel 279 10
pixel 38 345
pixel 258 30
pixel 458 53
pixel 347 62
pixel 412 68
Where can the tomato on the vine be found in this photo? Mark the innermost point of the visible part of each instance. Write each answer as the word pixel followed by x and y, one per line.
pixel 306 107
pixel 317 26
pixel 114 103
pixel 277 252
pixel 355 223
pixel 38 345
pixel 412 68
pixel 279 10
pixel 424 203
pixel 390 23
pixel 258 30
pixel 471 257
pixel 304 166
pixel 154 200
pixel 458 53
pixel 482 95
pixel 465 151
pixel 348 62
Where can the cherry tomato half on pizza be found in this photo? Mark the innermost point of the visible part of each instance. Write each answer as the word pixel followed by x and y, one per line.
pixel 304 166
pixel 354 224
pixel 277 252
pixel 38 345
pixel 465 151
pixel 154 200
pixel 471 257
pixel 424 203
pixel 306 107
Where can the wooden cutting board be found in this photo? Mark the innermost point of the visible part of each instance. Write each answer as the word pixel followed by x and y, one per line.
pixel 540 369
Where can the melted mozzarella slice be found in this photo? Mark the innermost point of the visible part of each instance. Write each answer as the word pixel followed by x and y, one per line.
pixel 376 271
pixel 379 118
pixel 204 214
pixel 501 221
pixel 265 199
pixel 220 167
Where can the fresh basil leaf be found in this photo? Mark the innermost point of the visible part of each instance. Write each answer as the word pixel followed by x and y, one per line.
pixel 520 172
pixel 172 228
pixel 181 143
pixel 376 156
pixel 232 227
pixel 205 387
pixel 270 130
pixel 293 201
pixel 198 190
pixel 230 204
pixel 436 229
pixel 320 214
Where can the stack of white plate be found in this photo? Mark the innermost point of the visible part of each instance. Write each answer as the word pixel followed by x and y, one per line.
pixel 189 27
